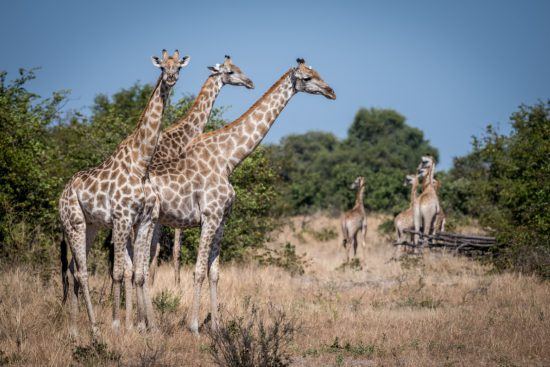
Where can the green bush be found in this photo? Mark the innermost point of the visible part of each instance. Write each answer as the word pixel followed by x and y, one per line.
pixel 505 182
pixel 255 339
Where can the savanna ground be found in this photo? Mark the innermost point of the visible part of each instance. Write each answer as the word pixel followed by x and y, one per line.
pixel 435 310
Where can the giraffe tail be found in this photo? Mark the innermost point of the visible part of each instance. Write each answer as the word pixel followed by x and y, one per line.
pixel 64 268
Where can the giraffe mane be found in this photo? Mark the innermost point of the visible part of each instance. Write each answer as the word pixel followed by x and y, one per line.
pixel 249 111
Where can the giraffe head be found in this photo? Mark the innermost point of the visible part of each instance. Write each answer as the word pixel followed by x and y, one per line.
pixel 170 66
pixel 308 80
pixel 427 161
pixel 358 183
pixel 411 180
pixel 231 74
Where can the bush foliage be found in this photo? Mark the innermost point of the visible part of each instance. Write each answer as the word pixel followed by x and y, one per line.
pixel 41 149
pixel 504 182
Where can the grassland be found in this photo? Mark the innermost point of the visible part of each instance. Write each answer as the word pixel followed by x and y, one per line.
pixel 435 310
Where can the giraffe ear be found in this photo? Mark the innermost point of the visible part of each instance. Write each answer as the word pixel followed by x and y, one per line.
pixel 184 61
pixel 215 68
pixel 156 61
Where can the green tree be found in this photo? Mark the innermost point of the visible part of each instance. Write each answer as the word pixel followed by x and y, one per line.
pixel 316 168
pixel 505 182
pixel 27 189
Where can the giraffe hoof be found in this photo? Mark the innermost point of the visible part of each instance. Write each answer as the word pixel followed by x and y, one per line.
pixel 116 325
pixel 142 327
pixel 73 332
pixel 95 333
pixel 194 328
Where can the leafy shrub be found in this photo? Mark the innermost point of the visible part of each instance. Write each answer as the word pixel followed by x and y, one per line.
pixel 255 339
pixel 166 302
pixel 505 182
pixel 287 258
pixel 323 235
pixel 353 264
pixel 96 354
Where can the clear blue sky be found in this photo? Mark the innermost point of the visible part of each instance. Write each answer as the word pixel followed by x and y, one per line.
pixel 451 67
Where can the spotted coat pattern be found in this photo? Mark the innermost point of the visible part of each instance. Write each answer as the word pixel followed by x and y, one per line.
pixel 119 195
pixel 195 190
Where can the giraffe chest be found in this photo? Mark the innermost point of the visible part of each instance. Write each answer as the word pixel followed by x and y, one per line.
pixel 103 200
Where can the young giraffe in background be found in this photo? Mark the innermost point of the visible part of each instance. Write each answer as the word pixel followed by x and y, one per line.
pixel 427 206
pixel 405 219
pixel 195 190
pixel 355 220
pixel 115 194
pixel 174 140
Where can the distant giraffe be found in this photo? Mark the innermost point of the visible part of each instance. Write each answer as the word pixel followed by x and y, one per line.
pixel 355 220
pixel 427 206
pixel 174 140
pixel 405 219
pixel 195 190
pixel 115 194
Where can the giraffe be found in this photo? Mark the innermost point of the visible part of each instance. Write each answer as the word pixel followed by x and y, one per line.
pixel 174 140
pixel 427 206
pixel 115 194
pixel 354 220
pixel 195 190
pixel 405 219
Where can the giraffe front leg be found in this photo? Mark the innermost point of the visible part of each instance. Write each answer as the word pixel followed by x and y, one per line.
pixel 214 273
pixel 151 231
pixel 128 286
pixel 121 235
pixel 154 253
pixel 208 232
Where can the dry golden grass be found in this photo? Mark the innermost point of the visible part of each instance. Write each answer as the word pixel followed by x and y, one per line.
pixel 431 311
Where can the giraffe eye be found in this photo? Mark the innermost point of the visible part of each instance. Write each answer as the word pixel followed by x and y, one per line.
pixel 307 78
pixel 230 72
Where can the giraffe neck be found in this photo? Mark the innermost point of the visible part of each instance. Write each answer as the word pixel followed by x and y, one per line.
pixel 248 131
pixel 413 192
pixel 143 141
pixel 359 197
pixel 192 124
pixel 429 180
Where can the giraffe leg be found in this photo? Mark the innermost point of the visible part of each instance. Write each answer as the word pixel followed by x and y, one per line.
pixel 417 221
pixel 78 237
pixel 128 286
pixel 121 235
pixel 154 253
pixel 208 231
pixel 142 251
pixel 176 252
pixel 214 273
pixel 364 237
pixel 73 288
